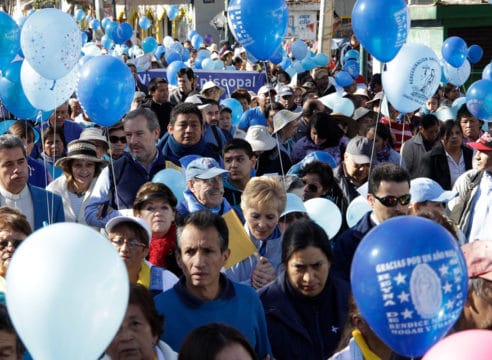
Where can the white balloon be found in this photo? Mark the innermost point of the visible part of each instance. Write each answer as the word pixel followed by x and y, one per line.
pixel 46 94
pixel 51 42
pixel 356 210
pixel 90 48
pixel 412 77
pixel 326 214
pixel 67 292
pixel 457 76
pixel 167 41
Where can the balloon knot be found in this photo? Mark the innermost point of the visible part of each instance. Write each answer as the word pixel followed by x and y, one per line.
pixel 53 86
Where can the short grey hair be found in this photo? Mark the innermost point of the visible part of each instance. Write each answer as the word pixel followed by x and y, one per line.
pixel 152 121
pixel 8 141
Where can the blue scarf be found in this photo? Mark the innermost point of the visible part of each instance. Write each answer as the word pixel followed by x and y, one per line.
pixel 174 151
pixel 192 204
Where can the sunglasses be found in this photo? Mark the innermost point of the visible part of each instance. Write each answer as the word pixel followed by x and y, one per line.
pixel 114 139
pixel 392 201
pixel 4 243
pixel 312 188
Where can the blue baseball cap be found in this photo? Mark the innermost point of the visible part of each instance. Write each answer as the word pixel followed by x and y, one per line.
pixel 424 189
pixel 204 168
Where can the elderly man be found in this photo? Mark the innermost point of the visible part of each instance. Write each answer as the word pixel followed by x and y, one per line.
pixel 205 188
pixel 472 209
pixel 116 188
pixel 389 196
pixel 185 135
pixel 38 205
pixel 477 311
pixel 204 295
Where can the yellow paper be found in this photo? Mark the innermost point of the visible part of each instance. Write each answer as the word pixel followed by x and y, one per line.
pixel 239 242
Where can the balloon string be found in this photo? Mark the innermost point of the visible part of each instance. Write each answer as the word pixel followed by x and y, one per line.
pixel 53 86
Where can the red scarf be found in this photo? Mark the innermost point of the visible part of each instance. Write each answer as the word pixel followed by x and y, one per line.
pixel 161 247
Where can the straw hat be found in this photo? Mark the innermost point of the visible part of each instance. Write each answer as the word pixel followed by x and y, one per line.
pixel 80 150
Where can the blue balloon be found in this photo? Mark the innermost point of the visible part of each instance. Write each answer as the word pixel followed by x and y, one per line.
pixel 299 49
pixel 144 22
pixel 172 70
pixel 172 56
pixel 174 180
pixel 260 32
pixel 343 78
pixel 487 72
pixel 11 93
pixel 9 39
pixel 110 28
pixel 454 51
pixel 79 15
pixel 308 63
pixel 196 41
pixel 149 44
pixel 95 24
pixel 409 281
pixel 351 55
pixel 286 62
pixel 84 37
pixel 321 59
pixel 192 33
pixel 105 22
pixel 123 33
pixel 475 53
pixel 186 54
pixel 172 12
pixel 88 18
pixel 107 42
pixel 479 99
pixel 159 51
pixel 105 89
pixel 236 108
pixel 202 54
pixel 381 26
pixel 297 66
pixel 353 68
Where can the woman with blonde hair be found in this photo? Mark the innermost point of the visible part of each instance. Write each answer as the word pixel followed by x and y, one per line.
pixel 262 202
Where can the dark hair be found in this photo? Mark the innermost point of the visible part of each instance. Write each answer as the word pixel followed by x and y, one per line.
pixel 8 141
pixel 327 128
pixel 117 126
pixel 285 74
pixel 154 82
pixel 205 342
pixel 140 233
pixel 152 121
pixel 185 108
pixel 188 72
pixel 323 170
pixel 384 132
pixel 51 131
pixel 275 106
pixel 309 107
pixel 14 219
pixel 442 220
pixel 387 172
pixel 238 144
pixel 22 129
pixel 429 120
pixel 202 220
pixel 302 234
pixel 464 112
pixel 151 191
pixel 140 296
pixel 7 326
pixel 447 127
pixel 241 94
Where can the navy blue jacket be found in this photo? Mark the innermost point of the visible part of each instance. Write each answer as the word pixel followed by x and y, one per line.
pixel 346 244
pixel 300 327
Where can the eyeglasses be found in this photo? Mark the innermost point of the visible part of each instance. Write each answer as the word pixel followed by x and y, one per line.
pixel 392 201
pixel 131 243
pixel 114 139
pixel 15 243
pixel 215 180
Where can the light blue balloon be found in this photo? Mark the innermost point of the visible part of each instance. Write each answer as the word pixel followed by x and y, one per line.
pixel 144 22
pixel 172 71
pixel 196 41
pixel 186 54
pixel 208 64
pixel 149 44
pixel 174 180
pixel 286 62
pixel 259 25
pixel 308 63
pixel 192 33
pixel 172 12
pixel 487 72
pixel 409 270
pixel 381 26
pixel 297 66
pixel 353 68
pixel 105 89
pixel 218 65
pixel 176 46
pixel 95 24
pixel 107 42
pixel 12 94
pixel 84 37
pixel 105 22
pixel 172 56
pixel 299 49
pixel 321 59
pixel 236 108
pixel 479 99
pixel 88 18
pixel 326 214
pixel 9 39
pixel 79 14
pixel 21 20
pixel 202 54
pixel 291 71
pixel 356 210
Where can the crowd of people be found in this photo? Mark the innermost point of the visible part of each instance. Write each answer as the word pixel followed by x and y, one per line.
pixel 191 296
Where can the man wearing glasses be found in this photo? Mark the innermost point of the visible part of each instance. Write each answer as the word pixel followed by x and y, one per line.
pixel 389 196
